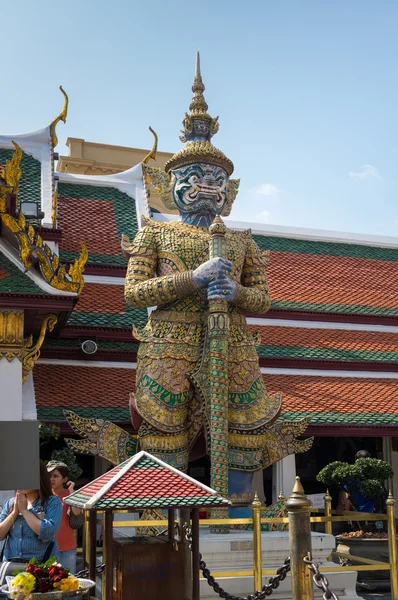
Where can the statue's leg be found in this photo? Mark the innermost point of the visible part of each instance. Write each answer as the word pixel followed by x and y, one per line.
pixel 239 487
pixel 163 393
pixel 172 449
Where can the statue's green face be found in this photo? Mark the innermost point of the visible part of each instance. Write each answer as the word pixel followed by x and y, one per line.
pixel 200 189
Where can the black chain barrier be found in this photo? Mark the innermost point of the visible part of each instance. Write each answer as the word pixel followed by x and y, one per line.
pixel 85 572
pixel 320 580
pixel 265 591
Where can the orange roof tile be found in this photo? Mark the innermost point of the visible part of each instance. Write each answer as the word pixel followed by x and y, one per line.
pixel 101 298
pixel 104 393
pixel 60 385
pixel 325 279
pixel 97 230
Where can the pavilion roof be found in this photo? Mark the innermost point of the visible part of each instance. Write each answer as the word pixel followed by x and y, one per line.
pixel 144 481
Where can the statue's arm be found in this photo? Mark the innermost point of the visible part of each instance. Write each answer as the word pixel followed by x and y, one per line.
pixel 252 294
pixel 142 287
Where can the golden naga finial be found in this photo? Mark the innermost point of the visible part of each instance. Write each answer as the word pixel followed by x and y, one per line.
pixel 76 270
pixel 11 172
pixel 31 352
pixel 152 153
pixel 61 117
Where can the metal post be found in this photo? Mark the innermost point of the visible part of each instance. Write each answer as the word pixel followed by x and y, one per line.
pixel 257 557
pixel 107 585
pixel 299 511
pixel 170 525
pixel 92 544
pixel 281 497
pixel 195 555
pixel 328 513
pixel 392 545
pixel 86 539
pixel 183 519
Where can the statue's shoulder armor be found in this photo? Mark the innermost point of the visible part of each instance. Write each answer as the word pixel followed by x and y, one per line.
pixel 145 238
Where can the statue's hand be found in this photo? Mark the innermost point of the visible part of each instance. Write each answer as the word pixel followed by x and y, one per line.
pixel 212 270
pixel 223 288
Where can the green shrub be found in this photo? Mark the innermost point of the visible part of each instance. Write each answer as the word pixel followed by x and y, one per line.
pixel 366 475
pixel 67 456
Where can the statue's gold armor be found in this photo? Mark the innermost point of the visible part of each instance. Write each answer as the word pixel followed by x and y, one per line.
pixel 162 259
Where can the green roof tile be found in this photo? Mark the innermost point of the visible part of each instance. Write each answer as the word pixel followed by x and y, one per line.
pixel 334 354
pixel 281 244
pixel 16 282
pixel 335 308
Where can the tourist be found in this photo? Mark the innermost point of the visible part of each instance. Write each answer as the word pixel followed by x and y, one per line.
pixel 72 518
pixel 358 499
pixel 29 523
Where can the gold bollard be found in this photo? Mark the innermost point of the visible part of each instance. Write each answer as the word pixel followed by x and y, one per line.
pixel 392 545
pixel 328 513
pixel 256 510
pixel 299 511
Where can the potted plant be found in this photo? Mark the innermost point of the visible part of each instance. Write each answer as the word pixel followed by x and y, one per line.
pixel 364 481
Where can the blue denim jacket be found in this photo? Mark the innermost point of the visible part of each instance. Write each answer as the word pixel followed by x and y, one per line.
pixel 23 543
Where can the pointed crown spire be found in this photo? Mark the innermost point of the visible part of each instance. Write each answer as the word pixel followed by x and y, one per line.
pixel 198 102
pixel 198 129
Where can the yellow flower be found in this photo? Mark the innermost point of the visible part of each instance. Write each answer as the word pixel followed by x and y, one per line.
pixel 24 583
pixel 69 584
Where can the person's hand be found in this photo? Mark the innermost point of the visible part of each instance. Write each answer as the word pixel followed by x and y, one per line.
pixel 223 288
pixel 70 486
pixel 15 509
pixel 21 501
pixel 215 268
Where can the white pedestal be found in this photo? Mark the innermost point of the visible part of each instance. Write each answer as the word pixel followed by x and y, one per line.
pixel 234 551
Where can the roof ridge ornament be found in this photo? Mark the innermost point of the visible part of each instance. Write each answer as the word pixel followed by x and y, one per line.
pixel 11 172
pixel 152 153
pixel 61 117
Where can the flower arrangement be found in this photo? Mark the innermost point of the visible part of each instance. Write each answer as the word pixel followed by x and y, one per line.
pixel 42 578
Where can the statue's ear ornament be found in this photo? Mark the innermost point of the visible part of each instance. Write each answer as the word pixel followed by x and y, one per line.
pixel 162 183
pixel 232 192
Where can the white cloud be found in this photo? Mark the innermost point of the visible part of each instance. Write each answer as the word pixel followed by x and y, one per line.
pixel 266 189
pixel 365 172
pixel 265 216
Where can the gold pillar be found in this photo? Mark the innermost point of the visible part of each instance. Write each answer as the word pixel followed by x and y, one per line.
pixel 328 513
pixel 256 510
pixel 11 334
pixel 299 511
pixel 392 545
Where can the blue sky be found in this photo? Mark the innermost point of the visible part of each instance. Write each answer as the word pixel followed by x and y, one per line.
pixel 306 91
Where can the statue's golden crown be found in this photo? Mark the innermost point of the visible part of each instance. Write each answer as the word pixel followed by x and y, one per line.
pixel 198 129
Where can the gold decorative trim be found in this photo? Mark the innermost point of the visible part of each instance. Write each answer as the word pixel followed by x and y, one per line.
pixel 11 334
pixel 61 117
pixel 54 209
pixel 31 246
pixel 199 152
pixel 161 182
pixel 11 172
pixel 31 352
pixel 243 499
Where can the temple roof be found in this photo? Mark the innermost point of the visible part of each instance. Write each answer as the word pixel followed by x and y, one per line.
pixel 367 399
pixel 144 481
